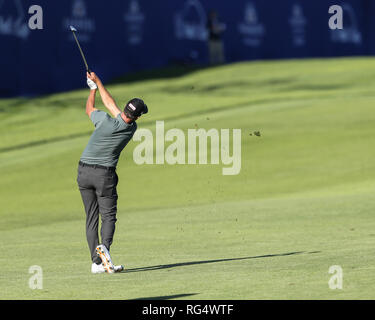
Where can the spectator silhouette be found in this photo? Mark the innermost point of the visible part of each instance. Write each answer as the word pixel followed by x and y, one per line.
pixel 215 42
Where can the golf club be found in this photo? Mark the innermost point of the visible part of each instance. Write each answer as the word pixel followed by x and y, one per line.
pixel 74 30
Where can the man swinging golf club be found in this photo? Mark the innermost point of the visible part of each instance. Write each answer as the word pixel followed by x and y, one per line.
pixel 97 178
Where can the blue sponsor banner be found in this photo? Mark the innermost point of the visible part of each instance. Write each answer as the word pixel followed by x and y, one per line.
pixel 124 36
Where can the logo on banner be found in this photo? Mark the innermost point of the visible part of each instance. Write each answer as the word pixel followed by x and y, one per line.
pixel 298 25
pixel 134 20
pixel 190 22
pixel 251 29
pixel 350 33
pixel 80 20
pixel 13 23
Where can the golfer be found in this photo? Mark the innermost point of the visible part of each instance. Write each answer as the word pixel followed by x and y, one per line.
pixel 97 178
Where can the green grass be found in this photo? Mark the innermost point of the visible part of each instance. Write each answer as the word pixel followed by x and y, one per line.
pixel 302 202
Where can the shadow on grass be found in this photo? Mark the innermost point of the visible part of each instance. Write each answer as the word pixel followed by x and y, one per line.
pixel 229 85
pixel 84 134
pixel 175 296
pixel 44 141
pixel 174 265
pixel 202 113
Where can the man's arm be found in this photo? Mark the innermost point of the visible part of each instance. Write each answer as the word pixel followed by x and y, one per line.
pixel 90 104
pixel 107 99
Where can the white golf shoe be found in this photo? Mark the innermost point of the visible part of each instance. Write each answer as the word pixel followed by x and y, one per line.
pixel 104 255
pixel 97 268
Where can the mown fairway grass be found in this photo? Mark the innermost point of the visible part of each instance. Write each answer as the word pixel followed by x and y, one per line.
pixel 303 201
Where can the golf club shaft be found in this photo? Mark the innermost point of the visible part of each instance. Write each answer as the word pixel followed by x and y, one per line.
pixel 83 56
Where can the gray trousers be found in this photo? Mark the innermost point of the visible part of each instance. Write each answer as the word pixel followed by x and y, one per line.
pixel 99 196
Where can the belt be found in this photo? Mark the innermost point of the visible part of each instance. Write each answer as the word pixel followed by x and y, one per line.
pixel 82 164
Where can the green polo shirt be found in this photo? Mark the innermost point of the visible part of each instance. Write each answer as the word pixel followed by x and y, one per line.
pixel 109 138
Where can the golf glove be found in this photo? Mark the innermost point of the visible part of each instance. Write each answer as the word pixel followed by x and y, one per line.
pixel 92 85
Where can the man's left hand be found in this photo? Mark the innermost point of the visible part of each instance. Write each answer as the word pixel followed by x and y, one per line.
pixel 92 85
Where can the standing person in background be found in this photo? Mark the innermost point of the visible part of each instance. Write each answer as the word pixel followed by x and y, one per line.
pixel 215 42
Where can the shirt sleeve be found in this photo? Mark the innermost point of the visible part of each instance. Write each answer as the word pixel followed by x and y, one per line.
pixel 98 116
